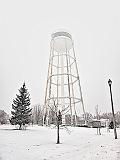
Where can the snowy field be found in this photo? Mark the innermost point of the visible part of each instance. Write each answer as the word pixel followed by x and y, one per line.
pixel 39 143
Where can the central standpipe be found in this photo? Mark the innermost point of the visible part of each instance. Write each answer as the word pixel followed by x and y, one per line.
pixel 62 88
pixel 63 82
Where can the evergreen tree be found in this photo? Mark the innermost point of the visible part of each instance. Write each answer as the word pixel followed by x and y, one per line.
pixel 22 112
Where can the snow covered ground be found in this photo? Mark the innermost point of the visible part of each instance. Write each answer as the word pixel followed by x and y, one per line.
pixel 39 143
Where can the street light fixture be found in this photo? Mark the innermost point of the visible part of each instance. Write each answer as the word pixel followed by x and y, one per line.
pixel 114 124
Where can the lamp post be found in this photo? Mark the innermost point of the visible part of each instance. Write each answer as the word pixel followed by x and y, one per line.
pixel 114 125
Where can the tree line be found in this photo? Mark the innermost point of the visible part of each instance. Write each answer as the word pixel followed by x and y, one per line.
pixel 23 114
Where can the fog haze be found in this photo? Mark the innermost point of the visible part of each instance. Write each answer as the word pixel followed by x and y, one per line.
pixel 25 34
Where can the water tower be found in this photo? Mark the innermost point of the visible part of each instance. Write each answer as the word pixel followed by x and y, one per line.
pixel 63 82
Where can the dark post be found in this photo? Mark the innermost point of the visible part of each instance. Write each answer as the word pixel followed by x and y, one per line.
pixel 114 124
pixel 59 120
pixel 58 134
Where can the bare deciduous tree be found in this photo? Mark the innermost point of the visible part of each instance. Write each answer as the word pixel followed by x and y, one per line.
pixel 37 115
pixel 57 113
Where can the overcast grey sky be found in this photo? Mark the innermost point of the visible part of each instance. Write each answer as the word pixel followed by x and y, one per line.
pixel 25 33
